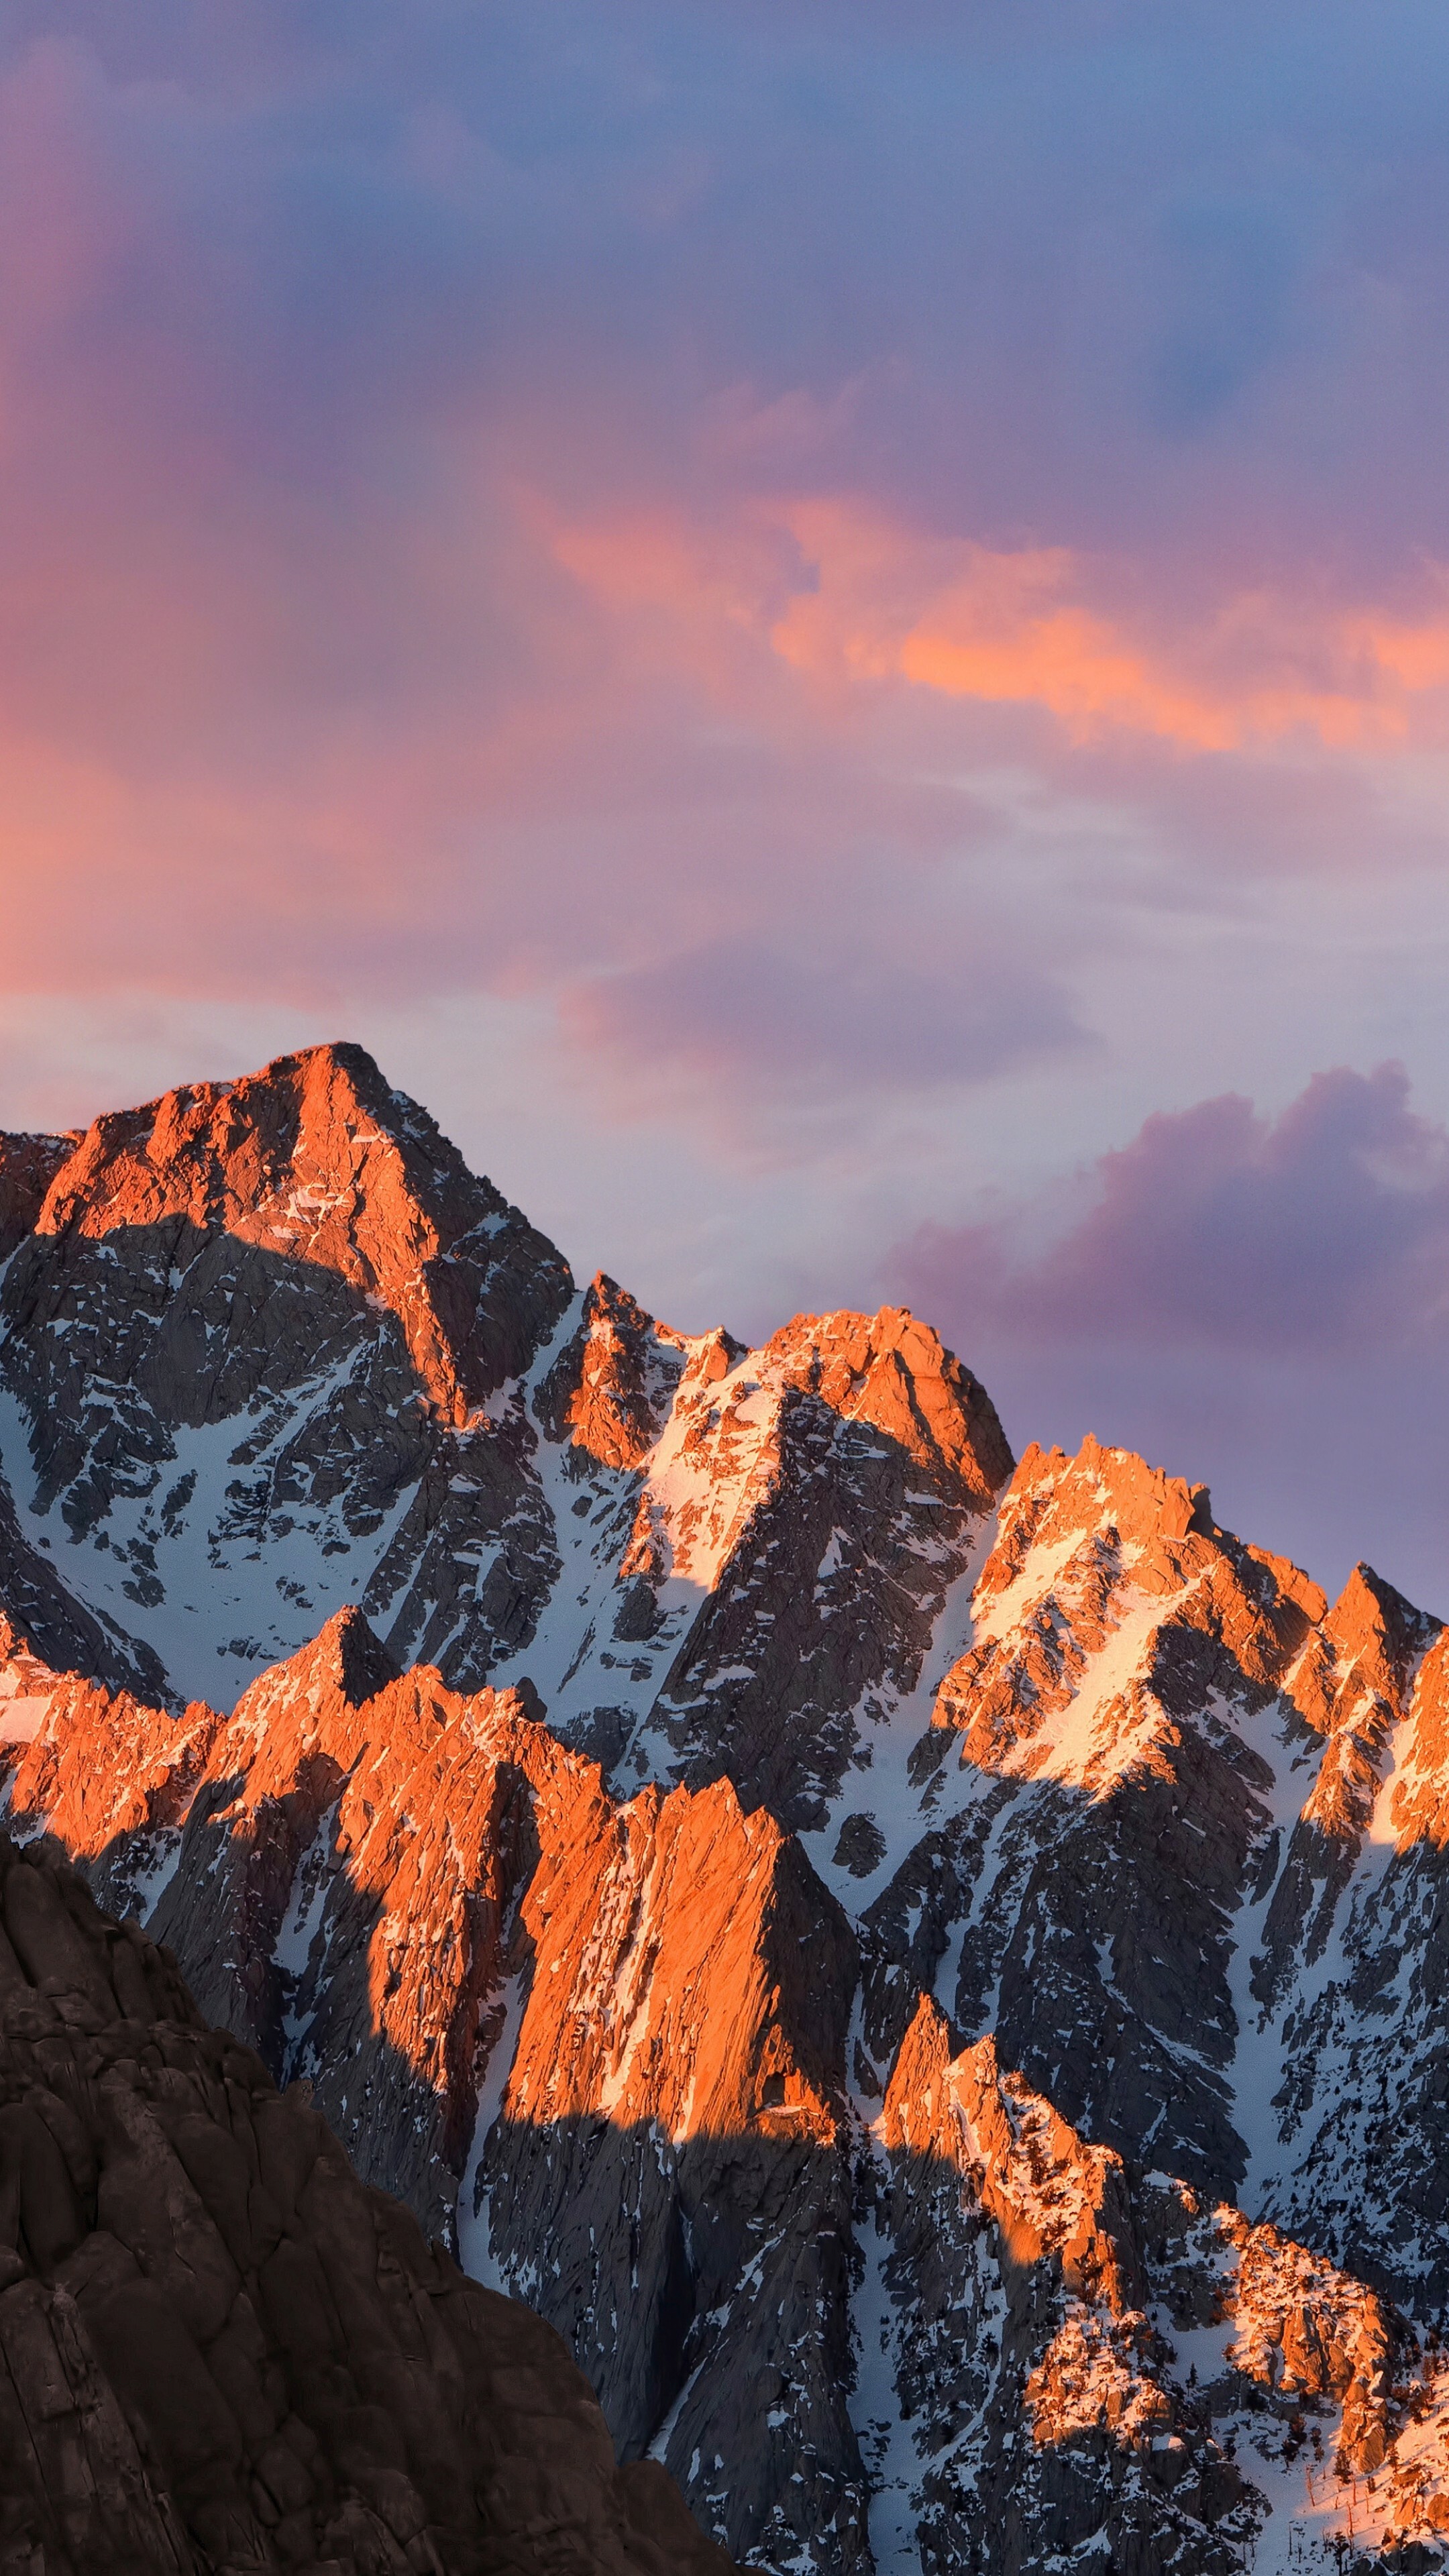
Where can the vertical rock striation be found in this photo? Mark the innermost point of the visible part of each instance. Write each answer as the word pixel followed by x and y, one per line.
pixel 420 1902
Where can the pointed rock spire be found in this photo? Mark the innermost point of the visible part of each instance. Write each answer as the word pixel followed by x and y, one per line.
pixel 315 1159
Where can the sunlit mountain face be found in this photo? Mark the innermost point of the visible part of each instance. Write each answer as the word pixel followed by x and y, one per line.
pixel 917 1972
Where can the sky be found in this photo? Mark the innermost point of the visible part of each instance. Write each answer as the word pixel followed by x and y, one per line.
pixel 826 626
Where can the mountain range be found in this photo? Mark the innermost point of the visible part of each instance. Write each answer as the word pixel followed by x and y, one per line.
pixel 927 1971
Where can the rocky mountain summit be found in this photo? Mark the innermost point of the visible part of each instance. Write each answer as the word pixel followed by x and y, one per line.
pixel 928 1972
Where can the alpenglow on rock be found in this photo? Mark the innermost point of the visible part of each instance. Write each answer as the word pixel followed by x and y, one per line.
pixel 928 1973
pixel 221 2350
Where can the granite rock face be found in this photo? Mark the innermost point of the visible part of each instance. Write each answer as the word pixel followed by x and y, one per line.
pixel 1098 2362
pixel 1185 1861
pixel 254 1334
pixel 219 2351
pixel 28 1165
pixel 755 1546
pixel 422 1903
pixel 71 1637
pixel 269 1348
pixel 601 2047
pixel 930 1975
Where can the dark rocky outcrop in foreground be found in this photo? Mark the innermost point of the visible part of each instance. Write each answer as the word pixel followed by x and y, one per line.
pixel 219 2351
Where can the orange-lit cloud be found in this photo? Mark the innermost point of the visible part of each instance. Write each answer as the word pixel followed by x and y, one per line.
pixel 844 596
pixel 1416 657
pixel 700 598
pixel 1020 628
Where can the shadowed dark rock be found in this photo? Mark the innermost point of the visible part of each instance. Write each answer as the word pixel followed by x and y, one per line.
pixel 219 2351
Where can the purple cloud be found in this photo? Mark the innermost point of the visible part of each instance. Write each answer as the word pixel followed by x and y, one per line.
pixel 759 1018
pixel 1321 1231
pixel 1260 1302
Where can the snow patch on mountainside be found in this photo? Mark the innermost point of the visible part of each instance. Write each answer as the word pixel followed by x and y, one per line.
pixel 576 1661
pixel 475 2243
pixel 1097 1736
pixel 1276 1735
pixel 902 1809
pixel 177 1565
pixel 886 2446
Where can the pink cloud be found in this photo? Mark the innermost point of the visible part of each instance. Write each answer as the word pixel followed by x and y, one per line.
pixel 1036 627
pixel 854 601
pixel 1257 1302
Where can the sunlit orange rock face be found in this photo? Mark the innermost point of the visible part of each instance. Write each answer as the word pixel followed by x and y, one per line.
pixel 1119 1540
pixel 810 1507
pixel 1090 2426
pixel 1419 1796
pixel 610 1390
pixel 362 1870
pixel 1352 1686
pixel 270 1348
pixel 253 1331
pixel 297 1163
pixel 930 1974
pixel 1048 2193
pixel 1166 1776
pixel 223 2351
